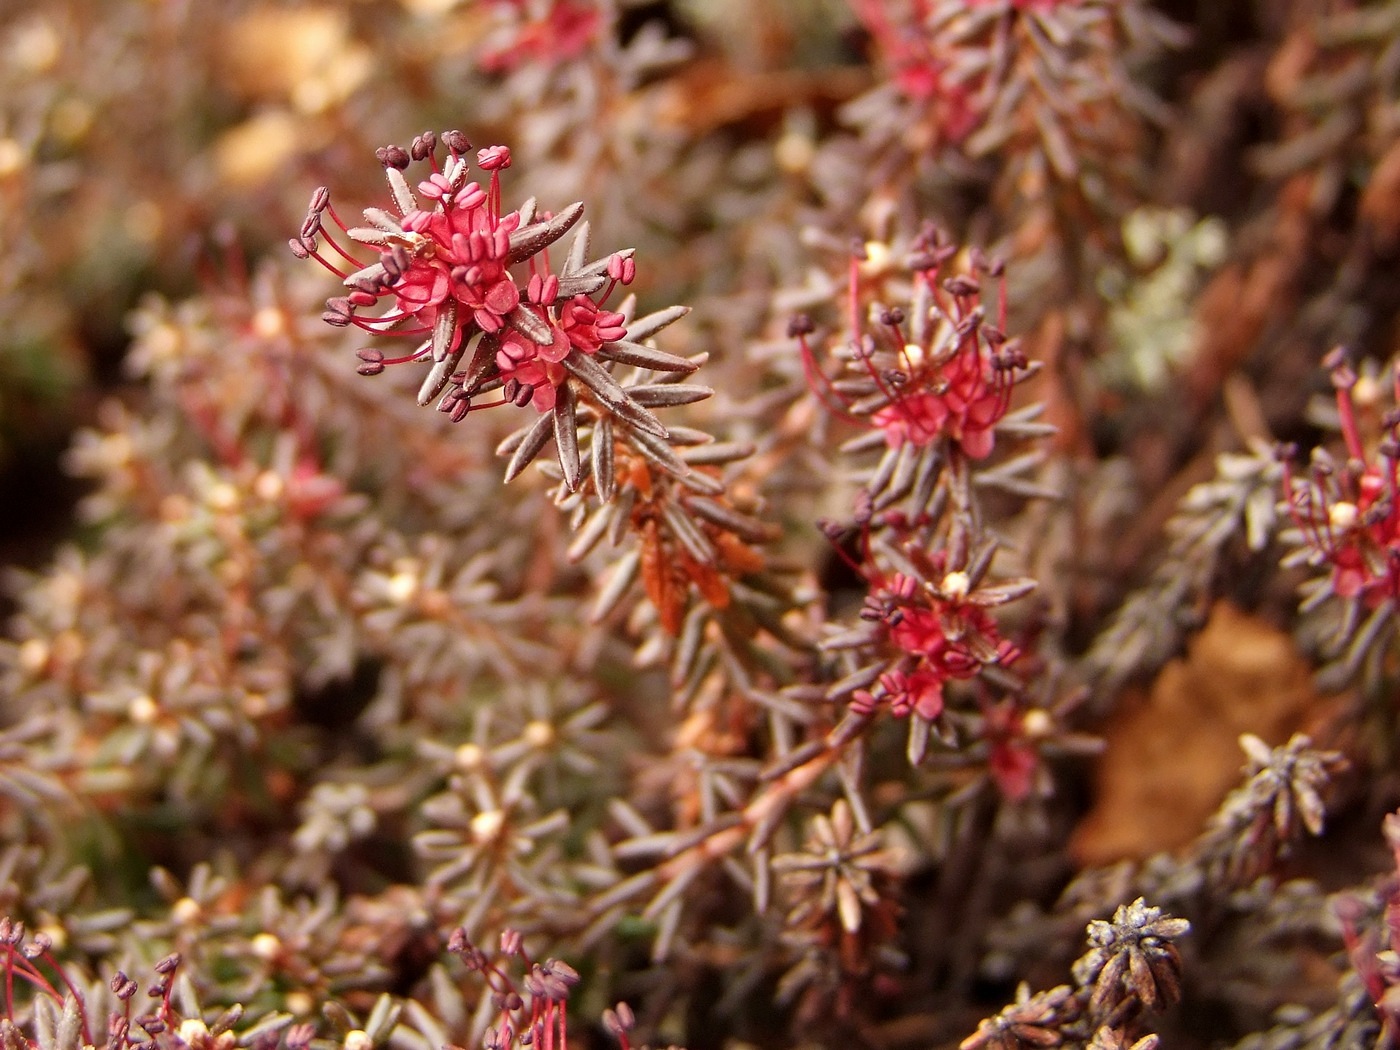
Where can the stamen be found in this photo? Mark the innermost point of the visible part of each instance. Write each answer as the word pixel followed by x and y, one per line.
pixel 343 275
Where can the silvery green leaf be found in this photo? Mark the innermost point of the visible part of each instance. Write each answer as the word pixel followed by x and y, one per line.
pixel 593 530
pixel 602 460
pixel 629 352
pixel 601 265
pixel 382 1019
pixel 689 535
pixel 668 395
pixel 594 376
pixel 719 453
pixel 624 571
pixel 660 453
pixel 743 526
pixel 441 372
pixel 445 333
pixel 917 745
pixel 227 1019
pixel 273 1022
pixel 648 326
pixel 527 240
pixel 530 445
pixel 531 325
pixel 566 435
pixel 578 252
pixel 581 284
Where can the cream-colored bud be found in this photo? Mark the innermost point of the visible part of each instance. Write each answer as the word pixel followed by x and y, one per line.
pixel 165 741
pixel 794 152
pixel 539 734
pixel 193 1032
pixel 162 343
pixel 469 758
pixel 877 258
pixel 255 705
pixel 12 157
pixel 1342 515
pixel 1365 392
pixel 486 825
pixel 266 946
pixel 1037 723
pixel 358 1039
pixel 57 935
pixel 222 496
pixel 33 655
pixel 269 323
pixel 143 710
pixel 35 45
pixel 143 221
pixel 402 586
pixel 956 585
pixel 116 450
pixel 268 486
pixel 185 911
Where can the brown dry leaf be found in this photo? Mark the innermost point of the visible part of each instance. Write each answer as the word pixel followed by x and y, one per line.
pixel 1234 310
pixel 1174 754
pixel 1380 200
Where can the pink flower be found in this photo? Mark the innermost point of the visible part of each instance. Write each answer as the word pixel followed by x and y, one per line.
pixel 446 273
pixel 1013 759
pixel 587 327
pixel 532 366
pixel 1349 514
pixel 948 379
pixel 939 637
pixel 919 68
pixel 566 29
pixel 493 158
pixel 916 420
pixel 920 693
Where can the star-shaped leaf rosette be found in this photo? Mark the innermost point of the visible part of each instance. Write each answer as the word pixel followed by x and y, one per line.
pixel 495 323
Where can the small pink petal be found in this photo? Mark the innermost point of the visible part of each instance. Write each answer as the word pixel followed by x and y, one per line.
pixel 502 297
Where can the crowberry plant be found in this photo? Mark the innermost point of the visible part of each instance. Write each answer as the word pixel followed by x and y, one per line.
pixel 312 705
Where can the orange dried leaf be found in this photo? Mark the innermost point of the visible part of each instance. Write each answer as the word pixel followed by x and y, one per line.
pixel 708 581
pixel 735 556
pixel 656 579
pixel 1174 754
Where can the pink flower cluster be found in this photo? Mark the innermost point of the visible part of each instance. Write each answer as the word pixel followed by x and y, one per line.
pixel 912 41
pixel 946 373
pixel 581 326
pixel 916 67
pixel 1348 515
pixel 970 399
pixel 564 29
pixel 446 271
pixel 942 636
pixel 1012 756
